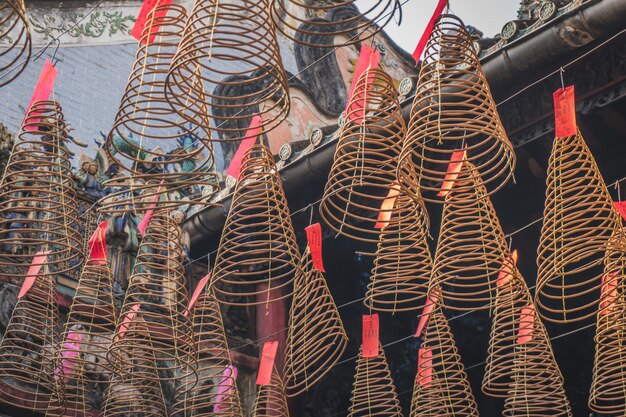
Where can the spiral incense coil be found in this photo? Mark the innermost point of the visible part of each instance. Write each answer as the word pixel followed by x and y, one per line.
pixel 316 24
pixel 579 220
pixel 471 246
pixel 271 400
pixel 316 339
pixel 215 394
pixel 231 46
pixel 373 392
pixel 453 109
pixel 403 263
pixel 15 40
pixel 441 385
pixel 257 260
pixel 38 205
pixel 157 289
pixel 364 165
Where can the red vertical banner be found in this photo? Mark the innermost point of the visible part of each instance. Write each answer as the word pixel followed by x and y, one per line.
pixel 45 85
pixel 454 169
pixel 268 356
pixel 431 302
pixel 508 269
pixel 526 324
pixel 253 132
pixel 314 238
pixel 425 366
pixel 33 271
pixel 98 244
pixel 226 387
pixel 196 294
pixel 370 336
pixel 565 112
pixel 142 19
pixel 143 224
pixel 608 292
pixel 369 58
pixel 128 318
pixel 419 49
pixel 69 351
pixel 620 206
pixel 386 209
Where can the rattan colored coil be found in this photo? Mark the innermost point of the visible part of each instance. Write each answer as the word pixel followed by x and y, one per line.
pixel 579 220
pixel 316 339
pixel 471 246
pixel 365 160
pixel 317 23
pixel 231 45
pixel 271 400
pixel 258 259
pixel 453 108
pixel 403 263
pixel 441 385
pixel 38 205
pixel 15 40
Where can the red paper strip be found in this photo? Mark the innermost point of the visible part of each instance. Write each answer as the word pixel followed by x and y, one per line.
pixel 45 85
pixel 254 130
pixel 314 237
pixel 196 294
pixel 431 302
pixel 565 112
pixel 419 49
pixel 225 388
pixel 143 224
pixel 127 319
pixel 425 366
pixel 526 324
pixel 369 58
pixel 140 24
pixel 33 270
pixel 370 336
pixel 620 206
pixel 507 269
pixel 98 245
pixel 454 168
pixel 69 351
pixel 384 214
pixel 608 291
pixel 266 367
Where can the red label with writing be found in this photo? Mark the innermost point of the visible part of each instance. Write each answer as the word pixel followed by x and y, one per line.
pixel 33 270
pixel 526 324
pixel 565 112
pixel 384 215
pixel 142 23
pixel 431 302
pixel 608 292
pixel 98 244
pixel 314 237
pixel 196 294
pixel 620 206
pixel 45 85
pixel 145 220
pixel 454 168
pixel 370 336
pixel 507 270
pixel 266 367
pixel 128 318
pixel 253 132
pixel 419 49
pixel 425 366
pixel 69 352
pixel 369 58
pixel 226 388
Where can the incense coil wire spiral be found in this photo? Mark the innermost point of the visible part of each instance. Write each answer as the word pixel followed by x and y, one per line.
pixel 579 220
pixel 271 400
pixel 258 259
pixel 215 394
pixel 453 108
pixel 157 289
pixel 15 40
pixel 145 117
pixel 403 263
pixel 231 46
pixel 441 385
pixel 471 246
pixel 38 205
pixel 364 164
pixel 308 24
pixel 316 338
pixel 373 392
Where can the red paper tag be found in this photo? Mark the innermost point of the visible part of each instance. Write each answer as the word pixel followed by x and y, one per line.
pixel 620 206
pixel 127 319
pixel 384 214
pixel 70 351
pixel 425 366
pixel 454 168
pixel 565 112
pixel 266 367
pixel 45 85
pixel 431 302
pixel 368 59
pixel 226 387
pixel 526 324
pixel 33 270
pixel 370 336
pixel 142 19
pixel 143 224
pixel 253 132
pixel 196 294
pixel 608 291
pixel 419 49
pixel 98 245
pixel 314 237
pixel 507 269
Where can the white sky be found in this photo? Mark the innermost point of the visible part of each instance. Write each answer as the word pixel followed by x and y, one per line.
pixel 487 15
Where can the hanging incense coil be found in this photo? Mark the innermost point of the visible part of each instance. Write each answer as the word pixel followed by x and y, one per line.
pixel 183 161
pixel 257 260
pixel 471 246
pixel 373 392
pixel 15 40
pixel 579 220
pixel 38 205
pixel 403 263
pixel 231 46
pixel 453 108
pixel 441 385
pixel 271 400
pixel 316 339
pixel 316 24
pixel 364 165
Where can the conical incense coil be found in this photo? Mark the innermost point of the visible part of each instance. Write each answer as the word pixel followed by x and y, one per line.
pixel 258 257
pixel 579 220
pixel 309 23
pixel 159 154
pixel 316 339
pixel 453 108
pixel 38 205
pixel 232 47
pixel 471 246
pixel 157 289
pixel 403 263
pixel 215 394
pixel 15 40
pixel 364 165
pixel 271 400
